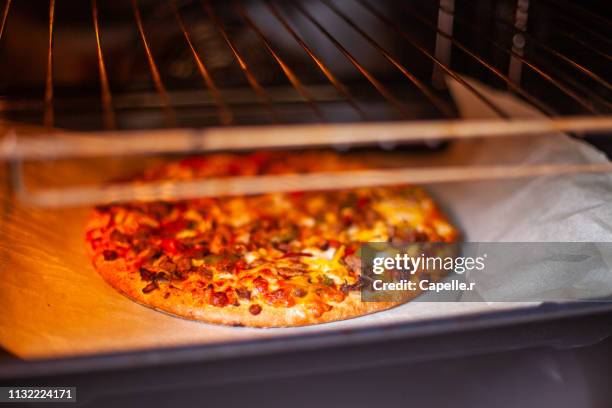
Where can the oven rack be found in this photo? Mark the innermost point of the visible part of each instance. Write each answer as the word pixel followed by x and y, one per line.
pixel 75 145
pixel 586 88
pixel 573 79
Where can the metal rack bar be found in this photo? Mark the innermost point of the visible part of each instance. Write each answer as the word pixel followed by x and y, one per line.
pixel 590 15
pixel 583 102
pixel 586 45
pixel 48 118
pixel 107 100
pixel 342 90
pixel 157 81
pixel 259 90
pixel 535 102
pixel 442 106
pixel 124 143
pixel 581 26
pixel 584 29
pixel 397 105
pixel 191 98
pixel 395 27
pixel 5 12
pixel 225 114
pixel 291 76
pixel 249 185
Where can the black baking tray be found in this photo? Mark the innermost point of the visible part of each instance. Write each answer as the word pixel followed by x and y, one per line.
pixel 180 374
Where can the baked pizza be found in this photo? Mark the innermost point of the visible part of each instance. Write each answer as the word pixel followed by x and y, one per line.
pixel 270 260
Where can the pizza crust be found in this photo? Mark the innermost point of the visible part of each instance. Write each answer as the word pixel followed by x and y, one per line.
pixel 182 304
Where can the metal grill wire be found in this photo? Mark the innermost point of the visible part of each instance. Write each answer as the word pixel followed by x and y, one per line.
pixel 567 84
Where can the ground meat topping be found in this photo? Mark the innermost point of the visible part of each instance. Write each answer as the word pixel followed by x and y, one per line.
pixel 255 310
pixel 150 287
pixel 218 299
pixel 109 255
pixel 146 275
pixel 243 293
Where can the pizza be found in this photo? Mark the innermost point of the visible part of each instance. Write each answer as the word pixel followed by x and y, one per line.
pixel 269 260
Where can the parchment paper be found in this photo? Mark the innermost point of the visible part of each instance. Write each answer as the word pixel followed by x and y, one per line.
pixel 54 304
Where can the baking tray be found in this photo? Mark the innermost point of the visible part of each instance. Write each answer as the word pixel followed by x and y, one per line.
pixel 57 306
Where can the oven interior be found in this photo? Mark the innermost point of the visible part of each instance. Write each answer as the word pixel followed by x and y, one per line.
pixel 105 71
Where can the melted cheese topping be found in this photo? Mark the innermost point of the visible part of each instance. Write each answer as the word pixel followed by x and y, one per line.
pixel 295 251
